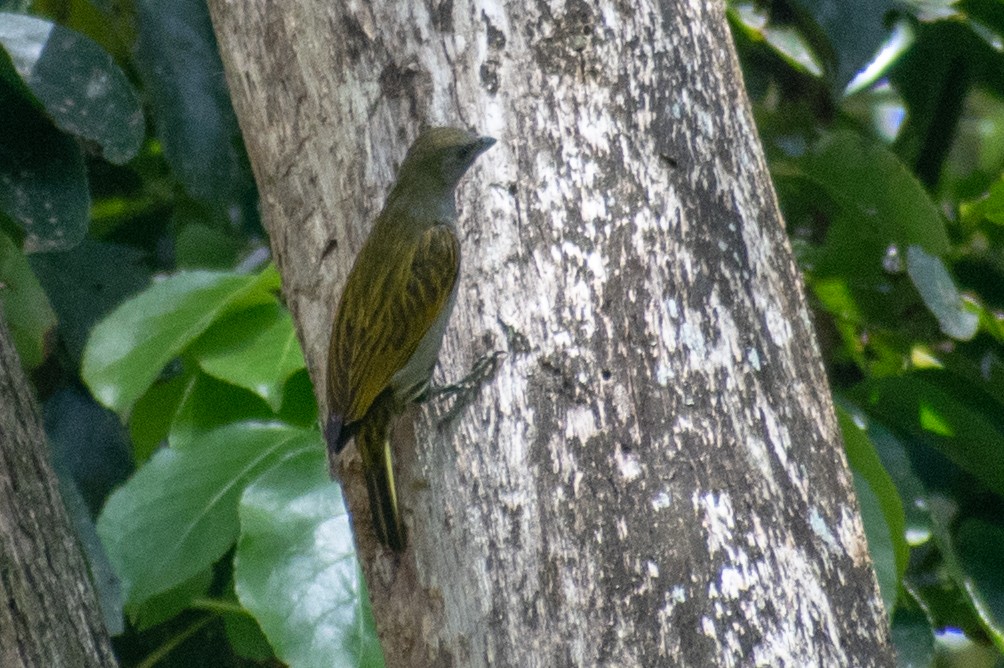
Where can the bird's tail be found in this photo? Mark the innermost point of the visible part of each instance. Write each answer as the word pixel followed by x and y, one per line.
pixel 373 441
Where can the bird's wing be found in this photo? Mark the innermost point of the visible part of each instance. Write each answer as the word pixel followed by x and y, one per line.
pixel 387 324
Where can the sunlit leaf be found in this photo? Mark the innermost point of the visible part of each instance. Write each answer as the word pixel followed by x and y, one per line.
pixel 178 514
pixel 296 568
pixel 128 349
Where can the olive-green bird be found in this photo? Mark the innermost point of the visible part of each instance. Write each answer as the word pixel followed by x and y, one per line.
pixel 390 321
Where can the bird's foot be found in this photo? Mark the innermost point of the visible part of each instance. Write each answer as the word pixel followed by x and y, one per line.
pixel 467 388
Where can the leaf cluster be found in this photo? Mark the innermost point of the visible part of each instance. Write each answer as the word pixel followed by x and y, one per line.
pixel 134 276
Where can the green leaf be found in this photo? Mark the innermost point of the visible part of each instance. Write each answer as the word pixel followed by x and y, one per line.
pixel 256 349
pixel 106 585
pixel 878 204
pixel 935 79
pixel 246 637
pixel 895 457
pixel 25 306
pixel 299 405
pixel 990 206
pixel 43 186
pixel 153 413
pixel 958 418
pixel 912 635
pixel 965 555
pixel 88 442
pixel 177 55
pixel 207 403
pixel 939 293
pixel 296 570
pixel 988 12
pixel 881 507
pixel 881 545
pixel 202 246
pixel 978 547
pixel 128 349
pixel 165 605
pixel 178 514
pixel 755 31
pixel 78 83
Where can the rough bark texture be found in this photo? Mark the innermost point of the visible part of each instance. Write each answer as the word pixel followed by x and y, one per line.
pixel 654 476
pixel 48 613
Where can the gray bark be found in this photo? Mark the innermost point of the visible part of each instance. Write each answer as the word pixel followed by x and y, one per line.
pixel 654 476
pixel 49 615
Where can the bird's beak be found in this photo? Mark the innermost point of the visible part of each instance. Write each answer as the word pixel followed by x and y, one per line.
pixel 482 144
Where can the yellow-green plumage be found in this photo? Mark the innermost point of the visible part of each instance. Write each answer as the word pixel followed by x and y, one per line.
pixel 390 320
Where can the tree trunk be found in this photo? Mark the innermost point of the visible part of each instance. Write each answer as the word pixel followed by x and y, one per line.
pixel 48 613
pixel 654 476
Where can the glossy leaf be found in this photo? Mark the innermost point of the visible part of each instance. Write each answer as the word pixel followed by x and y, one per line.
pixel 912 635
pixel 988 12
pixel 129 348
pixel 77 82
pixel 154 412
pixel 881 545
pixel 979 545
pixel 894 455
pixel 178 514
pixel 296 570
pixel 256 349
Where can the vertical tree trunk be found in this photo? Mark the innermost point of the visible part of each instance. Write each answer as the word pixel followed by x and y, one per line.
pixel 654 476
pixel 48 613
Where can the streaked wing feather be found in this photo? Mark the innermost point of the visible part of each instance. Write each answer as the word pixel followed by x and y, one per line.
pixel 390 323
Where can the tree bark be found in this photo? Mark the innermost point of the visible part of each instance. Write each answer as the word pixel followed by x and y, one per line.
pixel 654 476
pixel 48 613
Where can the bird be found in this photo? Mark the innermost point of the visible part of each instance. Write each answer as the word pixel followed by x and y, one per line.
pixel 393 311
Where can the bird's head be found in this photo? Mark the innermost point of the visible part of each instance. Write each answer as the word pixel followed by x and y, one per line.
pixel 441 156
